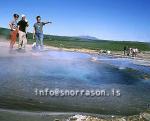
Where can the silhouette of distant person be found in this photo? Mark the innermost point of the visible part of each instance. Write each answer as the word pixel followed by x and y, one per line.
pixel 124 50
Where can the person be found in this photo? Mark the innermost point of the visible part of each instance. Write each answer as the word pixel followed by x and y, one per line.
pixel 22 25
pixel 128 51
pixel 125 49
pixel 14 31
pixel 38 32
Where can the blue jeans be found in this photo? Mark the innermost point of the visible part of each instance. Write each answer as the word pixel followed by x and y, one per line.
pixel 39 40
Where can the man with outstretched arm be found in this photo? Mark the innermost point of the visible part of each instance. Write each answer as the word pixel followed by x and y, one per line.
pixel 38 32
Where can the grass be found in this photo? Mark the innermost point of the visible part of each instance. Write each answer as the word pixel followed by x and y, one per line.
pixel 74 42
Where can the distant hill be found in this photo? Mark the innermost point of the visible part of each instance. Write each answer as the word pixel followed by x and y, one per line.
pixel 87 37
pixel 85 42
pixel 4 32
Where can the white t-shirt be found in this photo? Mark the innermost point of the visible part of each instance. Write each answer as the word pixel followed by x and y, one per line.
pixel 14 24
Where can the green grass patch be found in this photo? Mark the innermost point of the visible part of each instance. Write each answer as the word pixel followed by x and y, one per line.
pixel 74 42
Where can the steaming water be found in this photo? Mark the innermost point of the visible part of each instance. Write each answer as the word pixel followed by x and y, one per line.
pixel 19 76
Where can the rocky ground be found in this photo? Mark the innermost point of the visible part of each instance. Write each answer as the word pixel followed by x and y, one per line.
pixel 12 115
pixel 141 117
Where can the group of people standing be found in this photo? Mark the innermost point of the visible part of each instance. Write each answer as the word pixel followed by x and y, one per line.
pixel 19 29
pixel 130 51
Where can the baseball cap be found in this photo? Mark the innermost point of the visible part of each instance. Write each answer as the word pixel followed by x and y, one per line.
pixel 16 15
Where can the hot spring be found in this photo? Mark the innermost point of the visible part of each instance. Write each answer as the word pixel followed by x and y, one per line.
pixel 21 75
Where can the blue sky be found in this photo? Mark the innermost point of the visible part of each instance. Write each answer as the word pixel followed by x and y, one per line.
pixel 104 19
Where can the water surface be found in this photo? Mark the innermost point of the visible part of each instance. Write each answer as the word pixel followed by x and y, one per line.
pixel 19 76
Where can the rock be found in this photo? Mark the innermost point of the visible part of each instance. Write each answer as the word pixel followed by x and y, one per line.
pixel 141 117
pixel 133 118
pixel 108 51
pixel 56 120
pixel 78 118
pixel 93 59
pixel 72 119
pixel 145 117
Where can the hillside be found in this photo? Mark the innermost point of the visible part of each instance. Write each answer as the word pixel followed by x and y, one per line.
pixel 76 42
